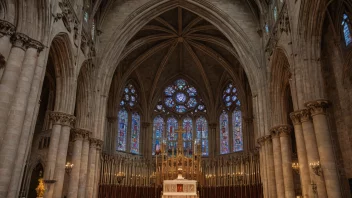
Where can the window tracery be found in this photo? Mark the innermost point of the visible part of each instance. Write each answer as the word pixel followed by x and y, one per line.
pixel 180 102
pixel 129 122
pixel 233 114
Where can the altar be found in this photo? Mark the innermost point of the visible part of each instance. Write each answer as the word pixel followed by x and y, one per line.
pixel 180 188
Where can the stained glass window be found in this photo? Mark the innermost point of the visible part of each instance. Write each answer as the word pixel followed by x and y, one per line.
pixel 122 130
pixel 230 95
pixel 275 13
pixel 93 30
pixel 180 97
pixel 158 131
pixel 202 134
pixel 237 131
pixel 346 29
pixel 86 16
pixel 129 96
pixel 266 28
pixel 224 133
pixel 171 128
pixel 135 131
pixel 187 136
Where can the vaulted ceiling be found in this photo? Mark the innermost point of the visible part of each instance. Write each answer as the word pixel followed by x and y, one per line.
pixel 180 43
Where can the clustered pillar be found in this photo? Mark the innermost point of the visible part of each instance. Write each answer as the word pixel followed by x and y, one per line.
pixel 317 164
pixel 21 53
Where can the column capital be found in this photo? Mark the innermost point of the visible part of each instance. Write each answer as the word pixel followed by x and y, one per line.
pixel 99 144
pixel 96 143
pixel 35 44
pixel 62 118
pixel 78 133
pixel 317 106
pixel 20 40
pixel 261 141
pixel 6 28
pixel 296 117
pixel 305 115
pixel 280 130
pixel 267 138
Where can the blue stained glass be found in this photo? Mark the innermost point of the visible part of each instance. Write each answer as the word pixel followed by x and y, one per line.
pixel 158 131
pixel 122 103
pixel 181 97
pixel 346 29
pixel 159 107
pixel 234 98
pixel 135 131
pixel 180 109
pixel 201 107
pixel 192 91
pixel 228 104
pixel 127 97
pixel 192 102
pixel 228 90
pixel 86 16
pixel 122 130
pixel 131 104
pixel 266 28
pixel 237 131
pixel 227 98
pixel 224 133
pixel 234 90
pixel 238 103
pixel 126 90
pixel 169 102
pixel 133 90
pixel 169 91
pixel 181 84
pixel 171 128
pixel 187 136
pixel 275 13
pixel 202 134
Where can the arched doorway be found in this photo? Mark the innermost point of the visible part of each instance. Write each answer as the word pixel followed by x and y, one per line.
pixel 37 173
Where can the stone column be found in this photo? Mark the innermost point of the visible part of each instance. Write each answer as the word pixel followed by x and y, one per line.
pixel 16 116
pixel 302 153
pixel 61 156
pixel 9 80
pixel 270 167
pixel 312 153
pixel 97 169
pixel 325 148
pixel 146 139
pixel 84 166
pixel 213 147
pixel 263 166
pixel 77 137
pixel 111 136
pixel 279 177
pixel 59 120
pixel 91 167
pixel 286 154
pixel 6 31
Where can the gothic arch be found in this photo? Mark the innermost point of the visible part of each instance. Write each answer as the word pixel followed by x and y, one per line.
pixel 279 82
pixel 61 54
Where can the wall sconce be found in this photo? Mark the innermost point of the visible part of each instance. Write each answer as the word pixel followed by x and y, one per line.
pixel 316 167
pixel 68 167
pixel 295 167
pixel 120 176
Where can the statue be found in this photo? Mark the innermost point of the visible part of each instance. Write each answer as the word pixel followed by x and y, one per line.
pixel 40 189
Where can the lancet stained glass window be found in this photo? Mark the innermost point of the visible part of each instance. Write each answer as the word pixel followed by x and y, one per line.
pixel 237 131
pixel 122 130
pixel 202 134
pixel 158 131
pixel 187 136
pixel 275 13
pixel 224 133
pixel 135 132
pixel 346 26
pixel 171 127
pixel 129 97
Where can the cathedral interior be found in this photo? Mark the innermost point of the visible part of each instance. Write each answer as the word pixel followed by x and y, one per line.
pixel 115 98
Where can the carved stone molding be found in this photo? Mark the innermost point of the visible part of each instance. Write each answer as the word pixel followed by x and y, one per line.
pixel 281 130
pixel 296 117
pixel 68 15
pixel 76 134
pixel 35 44
pixel 99 144
pixel 93 142
pixel 305 115
pixel 20 40
pixel 267 138
pixel 261 141
pixel 62 118
pixel 318 106
pixel 6 28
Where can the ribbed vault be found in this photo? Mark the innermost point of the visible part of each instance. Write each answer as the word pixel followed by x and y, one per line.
pixel 180 43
